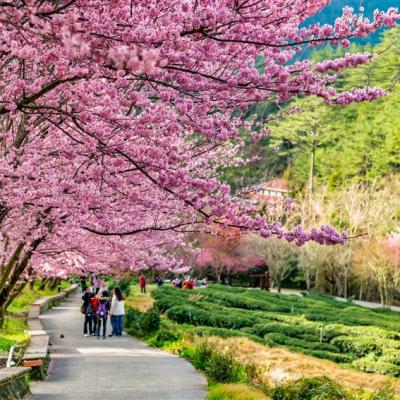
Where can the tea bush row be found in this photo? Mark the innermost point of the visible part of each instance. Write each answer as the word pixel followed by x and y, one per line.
pixel 249 312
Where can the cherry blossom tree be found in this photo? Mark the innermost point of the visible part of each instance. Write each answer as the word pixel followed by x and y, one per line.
pixel 222 252
pixel 117 116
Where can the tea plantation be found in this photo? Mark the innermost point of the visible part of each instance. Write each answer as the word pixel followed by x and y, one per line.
pixel 368 340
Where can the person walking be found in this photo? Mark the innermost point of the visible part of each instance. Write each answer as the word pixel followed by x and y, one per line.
pixel 82 280
pixel 142 284
pixel 117 311
pixel 87 311
pixel 102 313
pixel 95 305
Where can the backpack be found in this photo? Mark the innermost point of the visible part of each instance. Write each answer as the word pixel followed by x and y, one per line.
pixel 102 311
pixel 89 310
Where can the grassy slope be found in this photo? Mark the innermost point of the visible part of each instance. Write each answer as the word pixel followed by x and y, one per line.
pixel 14 329
pixel 140 301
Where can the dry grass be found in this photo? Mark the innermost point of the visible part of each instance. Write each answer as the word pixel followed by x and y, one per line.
pixel 140 301
pixel 279 364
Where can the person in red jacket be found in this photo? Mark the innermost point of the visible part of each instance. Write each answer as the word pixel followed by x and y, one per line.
pixel 142 283
pixel 95 304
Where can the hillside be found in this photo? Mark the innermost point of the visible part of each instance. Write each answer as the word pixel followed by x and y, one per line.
pixel 359 142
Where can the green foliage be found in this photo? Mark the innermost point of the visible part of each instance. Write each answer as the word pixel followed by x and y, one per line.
pixel 150 322
pixel 359 142
pixel 379 367
pixel 234 392
pixel 124 284
pixel 142 324
pixel 222 367
pixel 320 388
pixel 219 365
pixel 349 333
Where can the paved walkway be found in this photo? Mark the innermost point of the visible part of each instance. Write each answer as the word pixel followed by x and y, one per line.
pixel 112 369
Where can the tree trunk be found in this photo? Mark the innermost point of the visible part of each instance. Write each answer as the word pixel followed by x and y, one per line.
pixel 312 160
pixel 53 285
pixel 9 281
pixel 43 283
pixel 2 316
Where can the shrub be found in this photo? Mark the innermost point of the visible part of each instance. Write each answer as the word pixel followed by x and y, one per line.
pixel 164 337
pixel 149 322
pixel 123 284
pixel 222 367
pixel 386 392
pixel 379 367
pixel 142 324
pixel 198 354
pixel 166 302
pixel 358 345
pixel 196 316
pixel 320 388
pixel 132 321
pixel 326 355
pixel 392 356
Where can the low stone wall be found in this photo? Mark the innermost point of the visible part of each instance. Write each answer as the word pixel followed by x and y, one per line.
pixel 36 355
pixel 14 383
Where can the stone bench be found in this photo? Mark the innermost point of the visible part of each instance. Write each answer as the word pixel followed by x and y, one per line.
pixel 36 355
pixel 14 383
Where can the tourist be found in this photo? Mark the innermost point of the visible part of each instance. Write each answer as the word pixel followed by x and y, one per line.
pixel 102 313
pixel 142 284
pixel 188 284
pixel 117 311
pixel 82 279
pixel 159 281
pixel 178 283
pixel 95 305
pixel 87 311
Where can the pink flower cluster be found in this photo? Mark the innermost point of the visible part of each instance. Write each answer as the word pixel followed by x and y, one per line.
pixel 349 61
pixel 117 118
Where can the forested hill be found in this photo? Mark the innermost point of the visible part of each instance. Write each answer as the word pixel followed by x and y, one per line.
pixel 334 10
pixel 360 142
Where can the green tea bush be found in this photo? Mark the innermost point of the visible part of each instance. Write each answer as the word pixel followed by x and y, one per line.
pixel 379 367
pixel 391 356
pixel 276 338
pixel 326 355
pixel 167 302
pixel 358 345
pixel 349 332
pixel 197 316
pixel 289 330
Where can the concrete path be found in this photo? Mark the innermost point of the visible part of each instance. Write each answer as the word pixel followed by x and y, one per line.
pixel 112 369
